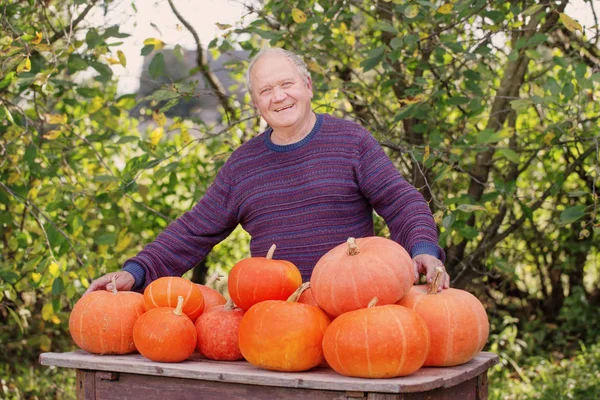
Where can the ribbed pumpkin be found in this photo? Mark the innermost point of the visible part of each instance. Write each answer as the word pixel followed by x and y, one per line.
pixel 165 334
pixel 218 330
pixel 257 279
pixel 377 342
pixel 211 296
pixel 102 322
pixel 164 292
pixel 283 335
pixel 348 276
pixel 457 322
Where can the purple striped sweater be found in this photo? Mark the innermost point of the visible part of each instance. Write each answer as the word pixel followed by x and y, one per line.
pixel 306 197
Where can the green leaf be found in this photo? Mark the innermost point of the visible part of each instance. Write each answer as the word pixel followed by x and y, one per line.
pixel 470 208
pixel 92 39
pixel 572 214
pixel 76 63
pixel 458 100
pixel 178 52
pixel 521 104
pixel 411 11
pixel 107 238
pixel 147 49
pixel 157 65
pixel 17 318
pixel 510 155
pixel 58 286
pixel 533 9
pixel 448 220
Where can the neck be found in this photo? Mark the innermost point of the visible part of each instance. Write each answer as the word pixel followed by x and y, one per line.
pixel 293 134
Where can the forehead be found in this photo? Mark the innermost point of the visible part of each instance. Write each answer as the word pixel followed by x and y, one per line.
pixel 272 69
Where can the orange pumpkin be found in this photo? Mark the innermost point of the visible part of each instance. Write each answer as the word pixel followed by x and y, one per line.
pixel 283 335
pixel 457 322
pixel 257 279
pixel 218 330
pixel 377 342
pixel 348 276
pixel 211 296
pixel 164 292
pixel 165 334
pixel 102 322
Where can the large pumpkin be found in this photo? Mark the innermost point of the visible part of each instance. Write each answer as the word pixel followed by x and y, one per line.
pixel 283 335
pixel 165 334
pixel 218 331
pixel 257 279
pixel 164 292
pixel 348 276
pixel 211 296
pixel 377 342
pixel 457 322
pixel 102 322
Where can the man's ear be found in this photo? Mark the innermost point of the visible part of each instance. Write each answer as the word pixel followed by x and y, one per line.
pixel 309 85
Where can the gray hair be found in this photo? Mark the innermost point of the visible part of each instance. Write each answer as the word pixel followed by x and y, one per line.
pixel 296 60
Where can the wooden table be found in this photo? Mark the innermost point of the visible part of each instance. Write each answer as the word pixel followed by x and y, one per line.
pixel 134 377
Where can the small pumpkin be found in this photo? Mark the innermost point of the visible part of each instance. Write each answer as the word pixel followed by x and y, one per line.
pixel 257 279
pixel 283 335
pixel 348 276
pixel 102 322
pixel 457 322
pixel 165 291
pixel 218 330
pixel 165 334
pixel 377 342
pixel 211 296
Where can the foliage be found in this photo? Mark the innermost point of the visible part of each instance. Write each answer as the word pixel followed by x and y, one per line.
pixel 488 107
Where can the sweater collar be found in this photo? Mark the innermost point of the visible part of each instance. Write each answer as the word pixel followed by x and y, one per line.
pixel 297 145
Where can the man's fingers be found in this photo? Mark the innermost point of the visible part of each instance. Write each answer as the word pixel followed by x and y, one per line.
pixel 415 272
pixel 97 284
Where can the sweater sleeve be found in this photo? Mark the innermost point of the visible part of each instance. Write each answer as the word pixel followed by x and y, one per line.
pixel 403 208
pixel 187 240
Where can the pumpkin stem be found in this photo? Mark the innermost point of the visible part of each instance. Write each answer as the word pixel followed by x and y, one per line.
pixel 373 302
pixel 352 247
pixel 213 278
pixel 179 307
pixel 230 305
pixel 296 295
pixel 437 279
pixel 271 251
pixel 113 280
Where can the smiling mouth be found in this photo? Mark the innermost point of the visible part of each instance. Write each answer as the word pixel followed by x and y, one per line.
pixel 284 108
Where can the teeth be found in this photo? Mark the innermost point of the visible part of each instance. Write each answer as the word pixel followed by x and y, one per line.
pixel 283 108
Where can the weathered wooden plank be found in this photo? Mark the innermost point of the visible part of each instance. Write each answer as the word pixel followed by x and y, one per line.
pixel 86 385
pixel 242 372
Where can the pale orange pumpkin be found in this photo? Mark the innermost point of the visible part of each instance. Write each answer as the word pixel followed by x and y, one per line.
pixel 211 296
pixel 164 292
pixel 257 279
pixel 348 276
pixel 165 334
pixel 377 342
pixel 457 322
pixel 102 322
pixel 218 331
pixel 283 335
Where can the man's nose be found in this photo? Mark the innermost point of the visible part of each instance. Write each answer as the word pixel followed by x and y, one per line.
pixel 278 94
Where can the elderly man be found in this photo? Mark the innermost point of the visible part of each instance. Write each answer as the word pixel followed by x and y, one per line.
pixel 307 183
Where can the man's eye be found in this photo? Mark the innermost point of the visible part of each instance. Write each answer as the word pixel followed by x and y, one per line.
pixel 287 85
pixel 265 91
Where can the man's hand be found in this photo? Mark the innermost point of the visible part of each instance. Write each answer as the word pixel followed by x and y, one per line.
pixel 426 264
pixel 123 279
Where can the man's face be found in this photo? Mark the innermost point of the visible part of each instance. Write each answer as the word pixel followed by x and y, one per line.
pixel 281 95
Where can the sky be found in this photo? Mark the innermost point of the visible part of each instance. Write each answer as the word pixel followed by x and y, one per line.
pixel 203 15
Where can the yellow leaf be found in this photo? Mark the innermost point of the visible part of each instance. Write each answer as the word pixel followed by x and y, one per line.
pixel 570 23
pixel 351 39
pixel 95 105
pixel 112 61
pixel 47 311
pixel 55 320
pixel 24 66
pixel 315 67
pixel 13 178
pixel 55 118
pixel 343 28
pixel 123 243
pixel 54 269
pixel 157 43
pixel 223 26
pixel 298 16
pixel 5 41
pixel 51 135
pixel 411 11
pixel 85 283
pixel 36 277
pixel 413 99
pixel 445 9
pixel 122 59
pixel 38 38
pixel 548 138
pixel 159 118
pixel 426 154
pixel 45 342
pixel 156 135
